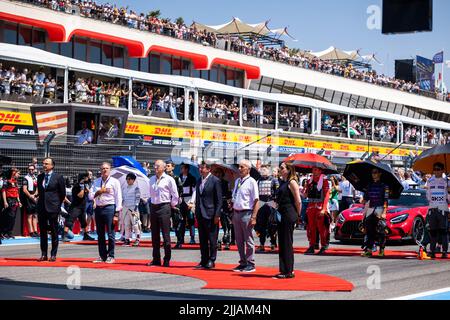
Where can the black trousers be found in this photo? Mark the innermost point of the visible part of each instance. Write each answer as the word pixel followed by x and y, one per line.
pixel 264 227
pixel 74 214
pixel 371 223
pixel 225 221
pixel 9 216
pixel 187 220
pixel 160 222
pixel 438 222
pixel 48 222
pixel 207 233
pixel 286 244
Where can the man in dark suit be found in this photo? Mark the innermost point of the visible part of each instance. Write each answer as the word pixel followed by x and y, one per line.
pixel 51 193
pixel 208 208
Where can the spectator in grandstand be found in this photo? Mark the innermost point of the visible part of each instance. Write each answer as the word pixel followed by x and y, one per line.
pixel 39 83
pixel 85 135
pixel 141 96
pixel 124 94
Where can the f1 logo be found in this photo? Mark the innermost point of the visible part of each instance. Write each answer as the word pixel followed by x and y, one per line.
pixel 8 128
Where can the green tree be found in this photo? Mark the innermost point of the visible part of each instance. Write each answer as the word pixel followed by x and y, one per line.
pixel 155 14
pixel 179 21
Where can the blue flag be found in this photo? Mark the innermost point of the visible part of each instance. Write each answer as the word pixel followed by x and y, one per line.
pixel 439 57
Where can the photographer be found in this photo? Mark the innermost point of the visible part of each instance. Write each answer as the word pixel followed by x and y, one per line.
pixel 77 208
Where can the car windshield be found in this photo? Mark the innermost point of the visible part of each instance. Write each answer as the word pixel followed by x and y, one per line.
pixel 410 199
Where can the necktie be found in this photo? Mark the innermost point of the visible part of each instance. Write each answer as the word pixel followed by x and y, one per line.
pixel 47 178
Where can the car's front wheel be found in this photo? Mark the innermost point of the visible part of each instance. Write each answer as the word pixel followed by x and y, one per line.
pixel 418 230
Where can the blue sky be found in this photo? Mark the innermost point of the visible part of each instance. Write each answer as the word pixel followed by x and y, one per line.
pixel 317 25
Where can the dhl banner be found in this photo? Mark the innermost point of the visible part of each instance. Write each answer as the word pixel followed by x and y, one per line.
pixel 15 123
pixel 233 137
pixel 16 118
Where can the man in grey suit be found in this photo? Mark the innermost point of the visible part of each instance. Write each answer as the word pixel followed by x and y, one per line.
pixel 208 206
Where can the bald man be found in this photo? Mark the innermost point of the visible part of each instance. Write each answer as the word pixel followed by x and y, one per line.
pixel 164 197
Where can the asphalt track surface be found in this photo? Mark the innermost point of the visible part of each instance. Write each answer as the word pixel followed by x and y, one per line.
pixel 399 277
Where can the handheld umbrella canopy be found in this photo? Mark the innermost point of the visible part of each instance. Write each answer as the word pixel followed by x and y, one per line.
pixel 305 162
pixel 178 161
pixel 428 158
pixel 231 173
pixel 359 173
pixel 142 180
pixel 127 161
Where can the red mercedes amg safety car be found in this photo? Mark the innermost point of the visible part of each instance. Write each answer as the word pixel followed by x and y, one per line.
pixel 405 219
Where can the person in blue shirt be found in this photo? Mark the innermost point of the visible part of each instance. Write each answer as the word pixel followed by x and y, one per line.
pixel 85 135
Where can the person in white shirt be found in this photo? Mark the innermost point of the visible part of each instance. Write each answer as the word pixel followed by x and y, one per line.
pixel 164 197
pixel 347 194
pixel 129 218
pixel 245 207
pixel 107 195
pixel 439 198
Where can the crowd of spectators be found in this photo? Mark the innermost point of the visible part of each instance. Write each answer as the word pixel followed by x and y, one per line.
pixel 153 23
pixel 295 118
pixel 98 92
pixel 385 131
pixel 27 83
pixel 219 108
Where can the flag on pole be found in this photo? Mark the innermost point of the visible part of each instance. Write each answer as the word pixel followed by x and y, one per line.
pixel 439 57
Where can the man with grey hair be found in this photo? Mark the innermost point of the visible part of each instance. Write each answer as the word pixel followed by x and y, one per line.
pixel 164 197
pixel 245 208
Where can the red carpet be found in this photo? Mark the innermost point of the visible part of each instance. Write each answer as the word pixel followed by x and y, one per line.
pixel 344 252
pixel 220 278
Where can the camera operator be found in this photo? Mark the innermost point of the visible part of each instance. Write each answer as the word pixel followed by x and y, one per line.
pixel 80 192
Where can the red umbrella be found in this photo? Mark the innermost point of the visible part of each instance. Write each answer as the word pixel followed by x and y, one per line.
pixel 305 162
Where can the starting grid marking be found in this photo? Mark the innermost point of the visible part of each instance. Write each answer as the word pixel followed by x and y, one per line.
pixel 441 294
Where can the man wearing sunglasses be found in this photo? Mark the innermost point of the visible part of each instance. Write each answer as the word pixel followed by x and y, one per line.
pixel 439 199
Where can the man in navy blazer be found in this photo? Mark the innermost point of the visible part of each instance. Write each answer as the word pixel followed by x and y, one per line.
pixel 208 208
pixel 51 190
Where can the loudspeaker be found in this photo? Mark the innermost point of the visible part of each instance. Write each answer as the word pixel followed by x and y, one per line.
pixel 405 70
pixel 404 16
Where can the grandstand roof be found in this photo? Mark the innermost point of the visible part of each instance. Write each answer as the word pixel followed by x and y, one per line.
pixel 237 27
pixel 333 53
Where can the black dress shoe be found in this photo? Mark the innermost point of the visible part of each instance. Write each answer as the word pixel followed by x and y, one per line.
pixel 166 264
pixel 52 259
pixel 200 266
pixel 310 251
pixel 154 263
pixel 43 258
pixel 210 265
pixel 178 246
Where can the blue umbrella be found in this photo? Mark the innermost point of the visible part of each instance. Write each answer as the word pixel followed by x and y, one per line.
pixel 178 161
pixel 127 161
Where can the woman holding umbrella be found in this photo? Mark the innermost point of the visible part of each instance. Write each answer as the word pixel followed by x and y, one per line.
pixel 376 201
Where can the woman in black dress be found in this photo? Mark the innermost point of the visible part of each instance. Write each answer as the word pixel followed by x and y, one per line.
pixel 289 207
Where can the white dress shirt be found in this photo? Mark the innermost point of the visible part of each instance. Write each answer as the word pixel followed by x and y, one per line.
pixel 164 190
pixel 113 196
pixel 245 194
